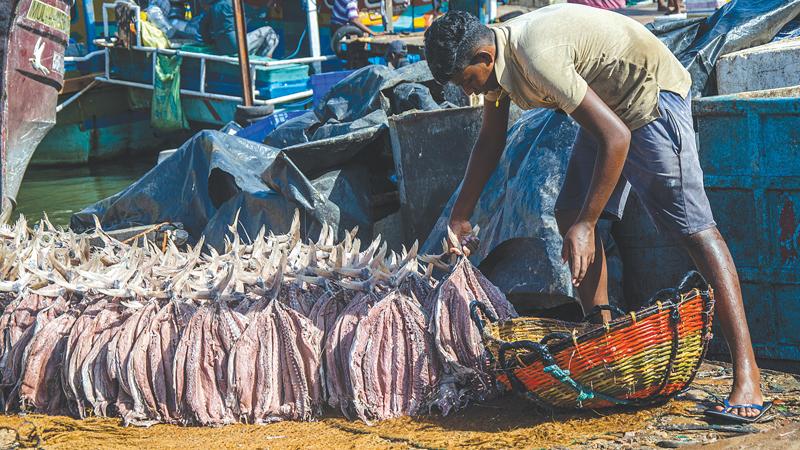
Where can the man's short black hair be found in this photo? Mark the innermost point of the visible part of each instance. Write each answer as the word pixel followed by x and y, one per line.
pixel 451 42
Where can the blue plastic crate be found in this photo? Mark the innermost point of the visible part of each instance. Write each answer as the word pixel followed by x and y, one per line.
pixel 323 82
pixel 223 78
pixel 377 60
pixel 261 129
pixel 275 90
pixel 269 90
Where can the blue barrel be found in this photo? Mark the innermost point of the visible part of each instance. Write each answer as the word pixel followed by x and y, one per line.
pixel 749 148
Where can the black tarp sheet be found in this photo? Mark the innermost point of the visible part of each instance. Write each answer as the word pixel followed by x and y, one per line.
pixel 326 163
pixel 520 244
pixel 738 25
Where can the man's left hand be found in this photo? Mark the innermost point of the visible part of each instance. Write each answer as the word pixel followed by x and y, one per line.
pixel 578 250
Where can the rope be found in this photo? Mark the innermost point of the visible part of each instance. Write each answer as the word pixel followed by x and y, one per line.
pixel 145 232
pixel 584 393
pixel 299 44
pixel 563 376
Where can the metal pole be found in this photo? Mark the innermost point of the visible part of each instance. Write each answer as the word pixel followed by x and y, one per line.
pixel 107 63
pixel 269 101
pixel 68 101
pixel 244 59
pixel 138 16
pixel 105 23
pixel 234 61
pixel 86 57
pixel 313 31
pixel 253 81
pixel 390 16
pixel 202 75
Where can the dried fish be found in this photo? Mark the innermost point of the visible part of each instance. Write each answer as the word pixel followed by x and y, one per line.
pixel 269 329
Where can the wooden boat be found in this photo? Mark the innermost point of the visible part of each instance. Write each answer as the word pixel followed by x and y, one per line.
pixel 112 118
pixel 33 36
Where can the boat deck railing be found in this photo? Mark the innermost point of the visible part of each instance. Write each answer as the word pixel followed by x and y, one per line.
pixel 202 57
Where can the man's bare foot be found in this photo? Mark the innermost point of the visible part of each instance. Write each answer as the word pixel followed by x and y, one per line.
pixel 746 391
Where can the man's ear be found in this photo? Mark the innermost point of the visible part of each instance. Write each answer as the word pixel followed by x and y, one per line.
pixel 483 56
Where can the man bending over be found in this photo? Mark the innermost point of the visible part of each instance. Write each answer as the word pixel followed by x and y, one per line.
pixel 630 96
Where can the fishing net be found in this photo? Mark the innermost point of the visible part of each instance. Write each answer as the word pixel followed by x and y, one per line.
pixel 166 113
pixel 640 358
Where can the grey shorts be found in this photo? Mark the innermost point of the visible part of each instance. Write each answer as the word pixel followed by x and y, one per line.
pixel 662 168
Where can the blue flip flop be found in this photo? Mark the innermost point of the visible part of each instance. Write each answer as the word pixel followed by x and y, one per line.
pixel 729 416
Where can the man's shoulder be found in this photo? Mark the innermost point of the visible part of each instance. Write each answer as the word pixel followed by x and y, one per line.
pixel 534 29
pixel 557 21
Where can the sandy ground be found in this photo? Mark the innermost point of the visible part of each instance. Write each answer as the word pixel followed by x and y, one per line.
pixel 508 422
pixel 783 438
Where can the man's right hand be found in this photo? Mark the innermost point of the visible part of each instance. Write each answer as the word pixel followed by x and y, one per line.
pixel 467 242
pixel 482 162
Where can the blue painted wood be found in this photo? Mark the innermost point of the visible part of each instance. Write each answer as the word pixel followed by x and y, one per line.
pixel 110 122
pixel 749 148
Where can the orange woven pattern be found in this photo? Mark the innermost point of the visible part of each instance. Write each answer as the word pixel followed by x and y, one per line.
pixel 635 358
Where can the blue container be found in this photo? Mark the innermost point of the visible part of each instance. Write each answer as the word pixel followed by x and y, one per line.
pixel 223 78
pixel 749 148
pixel 275 90
pixel 261 129
pixel 323 82
pixel 377 60
pixel 268 90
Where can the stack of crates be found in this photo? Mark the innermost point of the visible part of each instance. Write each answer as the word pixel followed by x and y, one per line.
pixel 224 78
pixel 221 78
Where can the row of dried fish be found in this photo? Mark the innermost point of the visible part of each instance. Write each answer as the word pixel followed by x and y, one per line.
pixel 272 328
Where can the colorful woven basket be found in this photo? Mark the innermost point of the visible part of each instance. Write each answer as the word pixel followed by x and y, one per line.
pixel 640 358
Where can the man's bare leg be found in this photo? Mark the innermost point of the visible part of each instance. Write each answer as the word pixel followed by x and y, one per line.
pixel 711 255
pixel 594 287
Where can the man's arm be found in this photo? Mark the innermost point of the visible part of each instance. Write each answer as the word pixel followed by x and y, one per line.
pixel 613 138
pixel 482 162
pixel 356 22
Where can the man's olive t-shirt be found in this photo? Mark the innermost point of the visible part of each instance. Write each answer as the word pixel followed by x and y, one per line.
pixel 546 58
